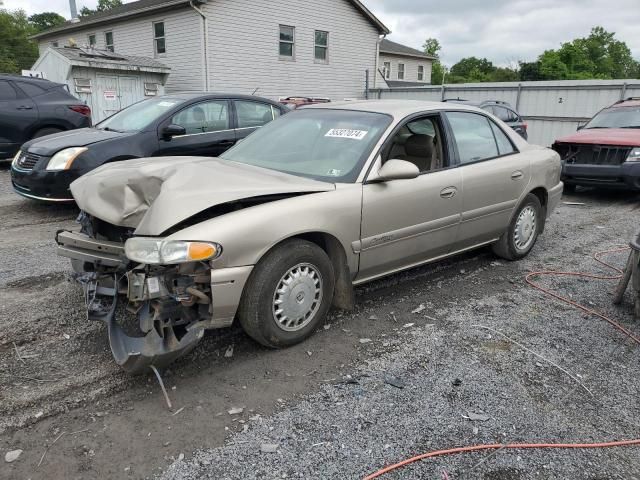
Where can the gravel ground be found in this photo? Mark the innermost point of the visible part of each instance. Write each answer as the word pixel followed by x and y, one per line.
pixel 451 368
pixel 325 403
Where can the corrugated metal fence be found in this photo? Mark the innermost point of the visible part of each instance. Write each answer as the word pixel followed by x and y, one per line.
pixel 551 108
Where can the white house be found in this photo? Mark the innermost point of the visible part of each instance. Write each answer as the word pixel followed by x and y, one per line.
pixel 272 47
pixel 403 66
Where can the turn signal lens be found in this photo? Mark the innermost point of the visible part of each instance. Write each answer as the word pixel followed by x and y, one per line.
pixel 201 251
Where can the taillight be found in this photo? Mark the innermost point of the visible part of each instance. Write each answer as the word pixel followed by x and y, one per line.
pixel 81 109
pixel 524 125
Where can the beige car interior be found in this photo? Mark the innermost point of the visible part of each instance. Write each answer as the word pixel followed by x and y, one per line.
pixel 419 142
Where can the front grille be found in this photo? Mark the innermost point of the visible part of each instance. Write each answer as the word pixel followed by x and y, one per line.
pixel 580 154
pixel 27 160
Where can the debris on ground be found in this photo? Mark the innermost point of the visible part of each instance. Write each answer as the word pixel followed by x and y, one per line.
pixel 235 410
pixel 12 456
pixel 476 417
pixel 229 352
pixel 420 309
pixel 365 340
pixel 269 447
pixel 394 381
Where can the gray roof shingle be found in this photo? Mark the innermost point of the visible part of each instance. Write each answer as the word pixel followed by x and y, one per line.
pixel 393 48
pixel 76 54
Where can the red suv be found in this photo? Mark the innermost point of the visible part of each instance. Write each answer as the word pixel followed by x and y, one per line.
pixel 606 151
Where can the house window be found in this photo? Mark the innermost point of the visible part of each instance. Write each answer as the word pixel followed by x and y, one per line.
pixel 321 46
pixel 387 70
pixel 108 40
pixel 83 85
pixel 158 38
pixel 287 41
pixel 401 71
pixel 150 89
pixel 420 73
pixel 92 40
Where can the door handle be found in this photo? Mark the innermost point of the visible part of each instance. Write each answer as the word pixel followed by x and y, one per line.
pixel 448 192
pixel 24 107
pixel 517 175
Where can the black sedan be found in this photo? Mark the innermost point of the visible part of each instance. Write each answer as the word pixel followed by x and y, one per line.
pixel 180 124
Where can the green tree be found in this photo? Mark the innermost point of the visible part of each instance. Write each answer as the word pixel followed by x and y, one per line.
pixel 103 6
pixel 45 20
pixel 530 71
pixel 17 52
pixel 472 68
pixel 432 47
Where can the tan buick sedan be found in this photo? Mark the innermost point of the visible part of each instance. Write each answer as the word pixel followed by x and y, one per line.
pixel 283 225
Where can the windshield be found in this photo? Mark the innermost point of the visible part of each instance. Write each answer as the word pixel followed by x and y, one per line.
pixel 620 117
pixel 324 144
pixel 138 116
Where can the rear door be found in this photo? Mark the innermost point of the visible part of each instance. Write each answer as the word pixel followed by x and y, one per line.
pixel 251 115
pixel 494 176
pixel 208 130
pixel 18 114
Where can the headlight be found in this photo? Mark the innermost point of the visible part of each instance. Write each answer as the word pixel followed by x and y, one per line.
pixel 163 252
pixel 634 155
pixel 64 158
pixel 14 162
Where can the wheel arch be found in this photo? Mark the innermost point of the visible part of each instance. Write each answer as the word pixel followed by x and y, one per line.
pixel 343 296
pixel 543 196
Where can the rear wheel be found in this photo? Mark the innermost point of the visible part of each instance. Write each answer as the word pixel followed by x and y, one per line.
pixel 523 230
pixel 46 131
pixel 288 294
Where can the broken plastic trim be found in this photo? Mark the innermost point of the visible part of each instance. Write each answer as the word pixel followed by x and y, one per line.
pixel 134 354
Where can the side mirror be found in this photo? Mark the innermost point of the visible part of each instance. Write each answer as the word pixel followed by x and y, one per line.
pixel 396 169
pixel 580 127
pixel 172 130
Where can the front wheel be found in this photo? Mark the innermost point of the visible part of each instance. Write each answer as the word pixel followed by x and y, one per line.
pixel 523 230
pixel 288 294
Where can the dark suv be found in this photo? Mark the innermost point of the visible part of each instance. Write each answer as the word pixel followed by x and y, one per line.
pixel 503 110
pixel 33 107
pixel 606 151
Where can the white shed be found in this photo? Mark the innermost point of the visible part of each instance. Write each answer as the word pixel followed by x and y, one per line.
pixel 106 81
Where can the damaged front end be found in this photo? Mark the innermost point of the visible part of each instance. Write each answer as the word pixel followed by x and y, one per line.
pixel 171 304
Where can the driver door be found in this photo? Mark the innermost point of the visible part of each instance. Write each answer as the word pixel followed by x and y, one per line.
pixel 207 127
pixel 408 222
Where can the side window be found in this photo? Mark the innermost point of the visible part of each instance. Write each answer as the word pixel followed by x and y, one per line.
pixel 473 135
pixel 204 117
pixel 419 141
pixel 30 89
pixel 502 113
pixel 505 147
pixel 253 114
pixel 6 91
pixel 513 116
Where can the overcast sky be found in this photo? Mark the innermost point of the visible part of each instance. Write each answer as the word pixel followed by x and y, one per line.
pixel 503 31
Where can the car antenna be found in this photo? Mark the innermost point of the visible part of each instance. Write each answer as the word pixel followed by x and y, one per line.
pixel 256 89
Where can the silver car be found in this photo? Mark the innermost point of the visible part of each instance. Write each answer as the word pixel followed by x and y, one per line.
pixel 282 226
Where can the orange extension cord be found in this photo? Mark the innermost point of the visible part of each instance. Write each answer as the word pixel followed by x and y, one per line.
pixel 522 446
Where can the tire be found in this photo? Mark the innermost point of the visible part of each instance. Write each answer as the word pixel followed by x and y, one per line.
pixel 258 313
pixel 522 233
pixel 46 131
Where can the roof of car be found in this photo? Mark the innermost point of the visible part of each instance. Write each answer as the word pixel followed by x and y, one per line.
pixel 195 95
pixel 392 107
pixel 42 81
pixel 627 102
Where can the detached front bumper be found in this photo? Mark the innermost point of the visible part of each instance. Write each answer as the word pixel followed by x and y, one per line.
pixel 173 305
pixel 625 176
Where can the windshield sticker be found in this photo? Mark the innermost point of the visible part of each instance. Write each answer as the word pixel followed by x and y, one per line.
pixel 346 133
pixel 167 104
pixel 334 172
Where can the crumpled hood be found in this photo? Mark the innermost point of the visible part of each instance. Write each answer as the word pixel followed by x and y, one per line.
pixel 154 194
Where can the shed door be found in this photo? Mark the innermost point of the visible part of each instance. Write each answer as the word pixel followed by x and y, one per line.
pixel 107 100
pixel 128 91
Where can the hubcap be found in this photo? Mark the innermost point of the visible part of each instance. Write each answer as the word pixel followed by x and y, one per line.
pixel 297 297
pixel 525 231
